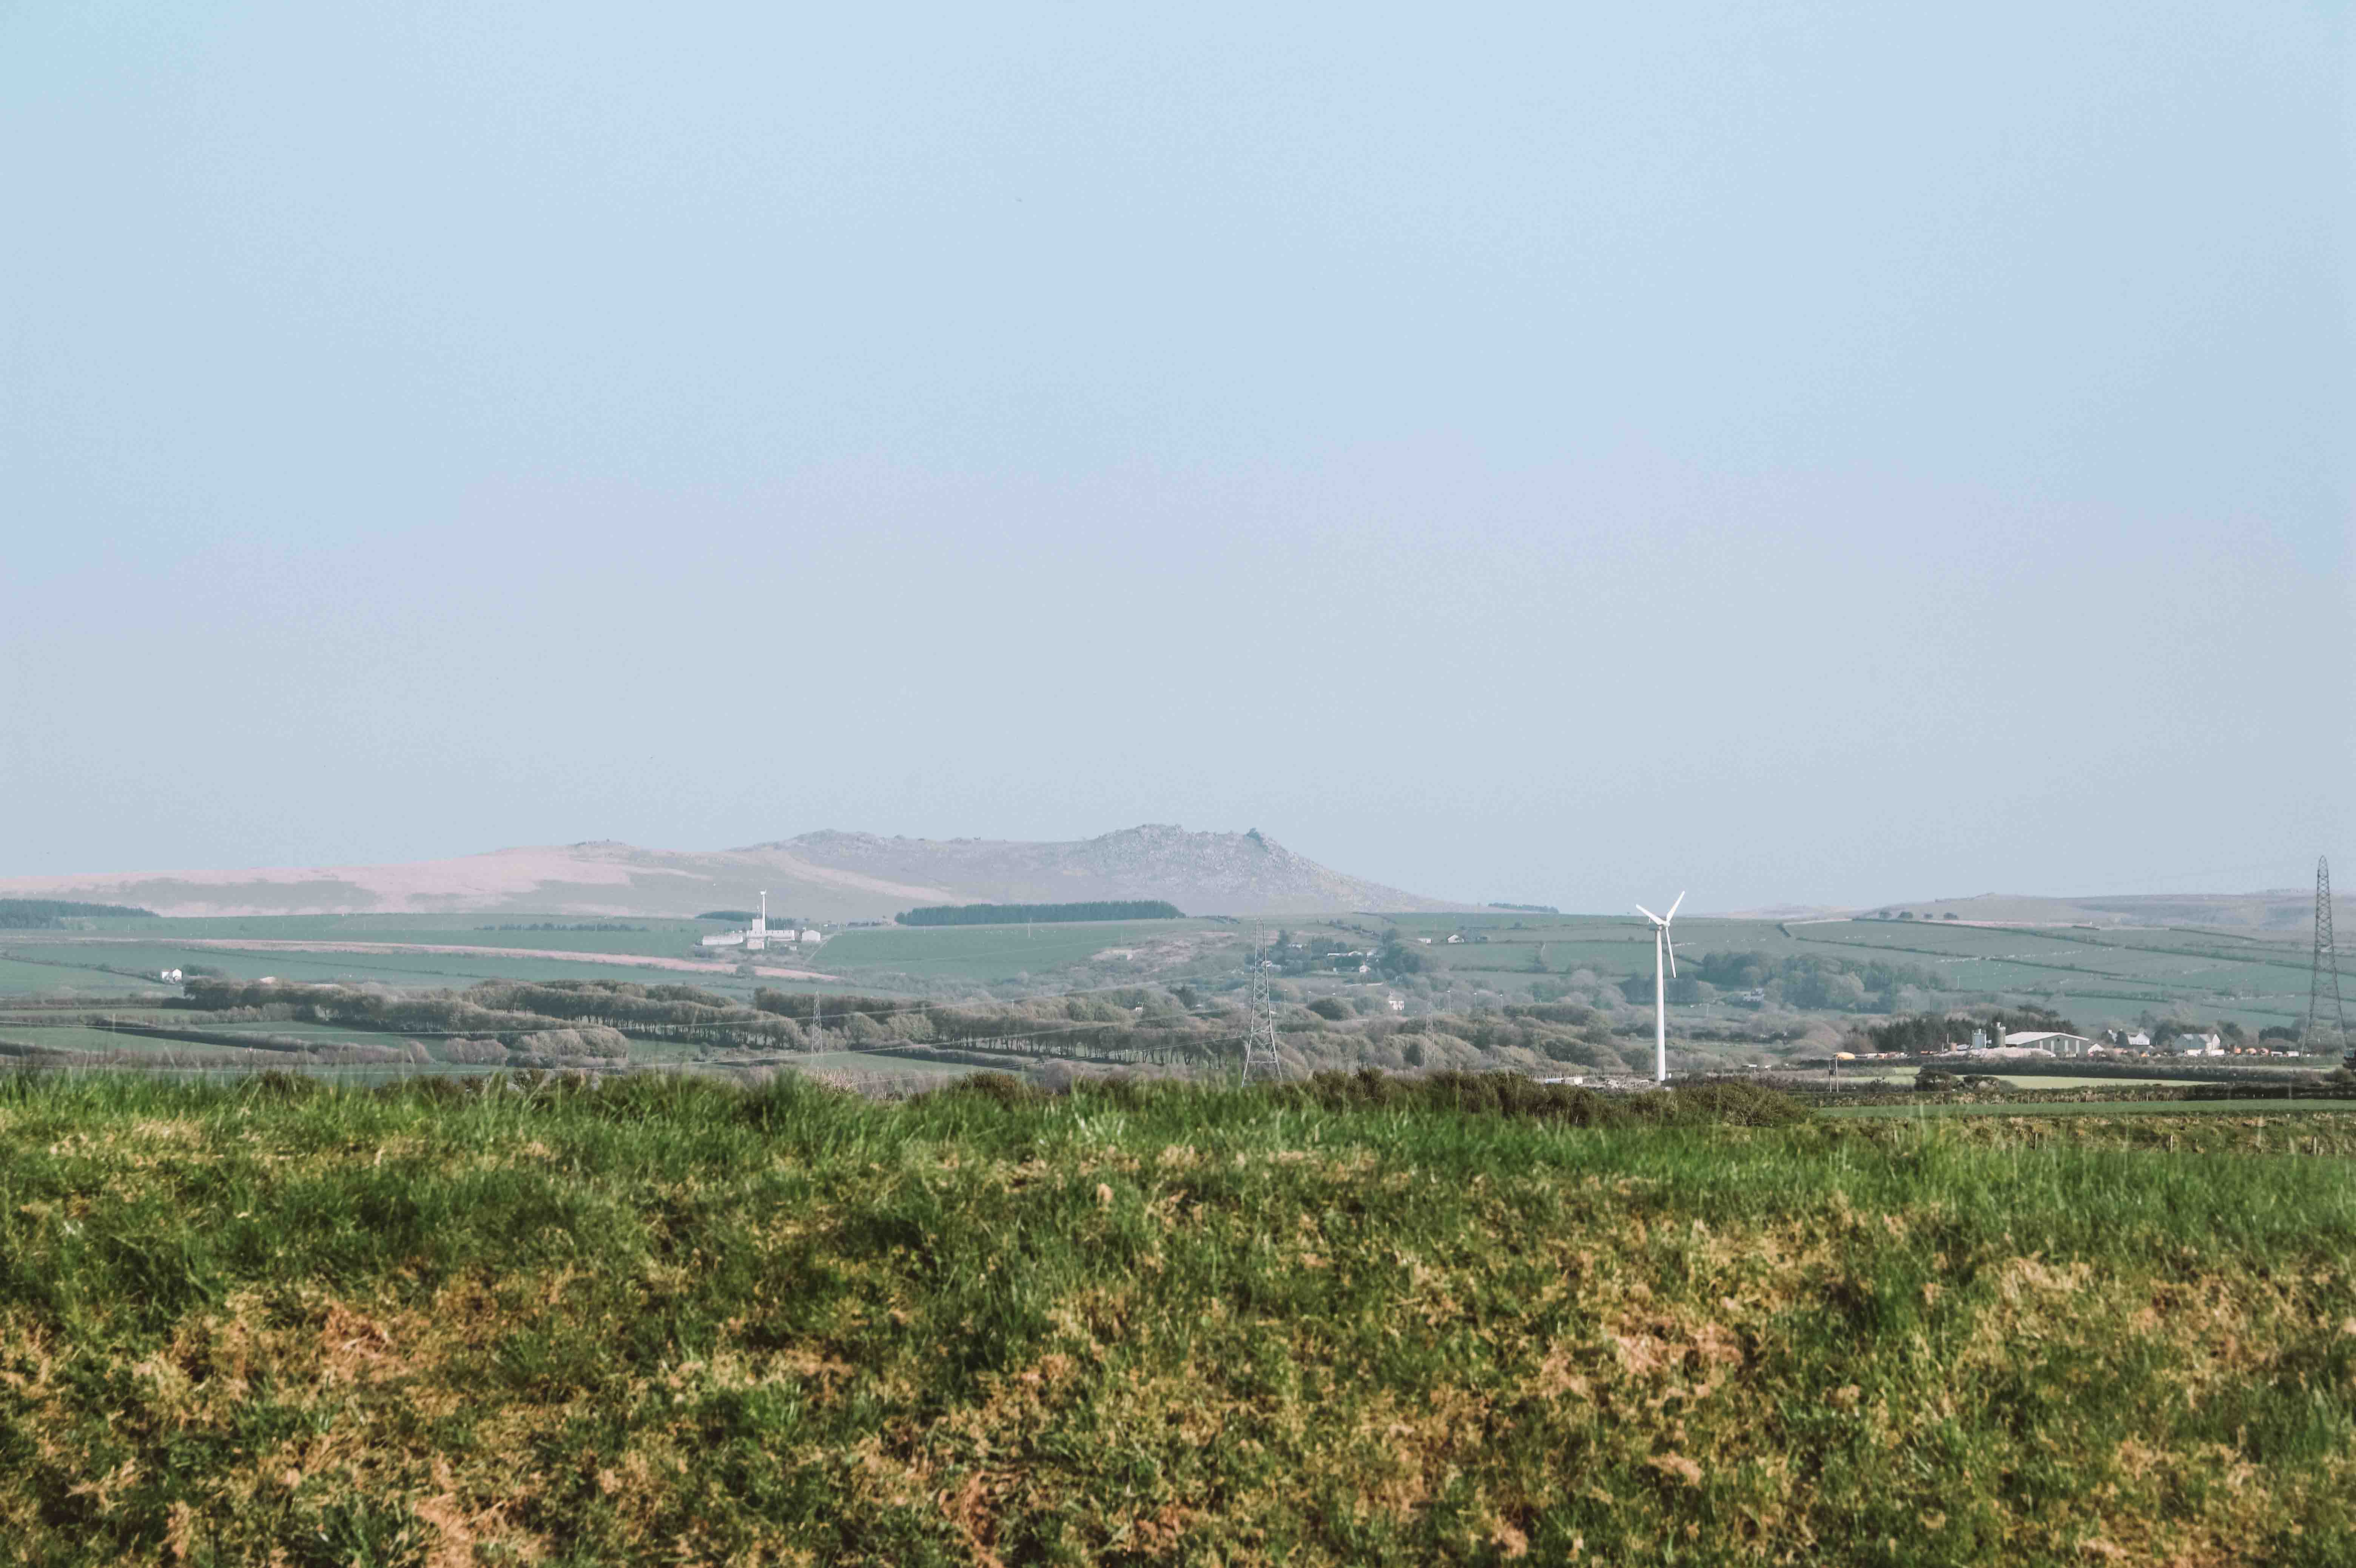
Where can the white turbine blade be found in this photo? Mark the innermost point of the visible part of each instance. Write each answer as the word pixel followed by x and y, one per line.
pixel 1671 946
pixel 1673 909
pixel 1648 915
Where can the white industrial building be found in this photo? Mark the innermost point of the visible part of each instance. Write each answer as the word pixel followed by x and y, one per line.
pixel 756 938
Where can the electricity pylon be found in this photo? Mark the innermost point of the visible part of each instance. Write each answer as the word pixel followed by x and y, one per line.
pixel 2323 1007
pixel 1259 1034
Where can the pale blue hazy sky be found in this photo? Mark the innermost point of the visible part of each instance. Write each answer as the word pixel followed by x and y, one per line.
pixel 1798 451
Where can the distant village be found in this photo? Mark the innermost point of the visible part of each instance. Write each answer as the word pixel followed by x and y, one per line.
pixel 2048 1044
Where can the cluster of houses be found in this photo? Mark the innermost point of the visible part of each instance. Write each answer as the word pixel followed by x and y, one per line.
pixel 2025 1045
pixel 2115 1042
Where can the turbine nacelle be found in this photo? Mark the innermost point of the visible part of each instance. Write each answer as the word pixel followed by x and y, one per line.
pixel 1661 924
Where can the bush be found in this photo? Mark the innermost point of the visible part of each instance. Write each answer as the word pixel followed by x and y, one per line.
pixel 998 1088
pixel 280 1084
pixel 1332 1007
pixel 1734 1104
pixel 476 1052
pixel 433 1089
pixel 1511 1095
pixel 590 1040
pixel 1933 1078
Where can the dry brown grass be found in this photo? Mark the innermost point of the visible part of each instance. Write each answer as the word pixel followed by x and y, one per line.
pixel 1155 1329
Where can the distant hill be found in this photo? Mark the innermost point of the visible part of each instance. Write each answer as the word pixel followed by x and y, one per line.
pixel 818 876
pixel 2283 911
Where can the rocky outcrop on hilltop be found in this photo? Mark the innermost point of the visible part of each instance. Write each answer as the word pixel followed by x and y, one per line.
pixel 1202 873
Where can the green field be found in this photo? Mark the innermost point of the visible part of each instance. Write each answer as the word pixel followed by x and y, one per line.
pixel 824 1062
pixel 660 937
pixel 666 1322
pixel 2095 978
pixel 98 1037
pixel 2091 975
pixel 987 953
pixel 962 957
pixel 422 969
pixel 19 977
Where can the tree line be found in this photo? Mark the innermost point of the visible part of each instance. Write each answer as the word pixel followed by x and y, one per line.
pixel 1929 1033
pixel 48 914
pixel 1800 980
pixel 1041 914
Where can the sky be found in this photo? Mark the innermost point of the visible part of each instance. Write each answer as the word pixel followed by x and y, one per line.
pixel 1815 453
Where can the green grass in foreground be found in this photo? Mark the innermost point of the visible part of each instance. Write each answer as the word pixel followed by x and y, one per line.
pixel 670 1321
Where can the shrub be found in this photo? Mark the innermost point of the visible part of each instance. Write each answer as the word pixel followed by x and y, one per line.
pixel 1726 1105
pixel 280 1084
pixel 477 1053
pixel 1511 1095
pixel 998 1088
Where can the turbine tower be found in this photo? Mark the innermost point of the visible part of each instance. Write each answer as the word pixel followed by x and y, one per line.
pixel 1665 969
pixel 2323 1007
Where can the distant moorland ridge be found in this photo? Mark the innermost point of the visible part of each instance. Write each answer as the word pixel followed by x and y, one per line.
pixel 2274 910
pixel 826 875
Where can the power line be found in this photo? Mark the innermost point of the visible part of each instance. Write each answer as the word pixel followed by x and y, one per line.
pixel 2323 978
pixel 1260 1042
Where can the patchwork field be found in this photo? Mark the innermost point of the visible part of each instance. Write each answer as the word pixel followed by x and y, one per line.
pixel 2090 975
pixel 1498 960
pixel 665 1321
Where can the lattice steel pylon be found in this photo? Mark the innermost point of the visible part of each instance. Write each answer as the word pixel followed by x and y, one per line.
pixel 1259 1033
pixel 2323 1007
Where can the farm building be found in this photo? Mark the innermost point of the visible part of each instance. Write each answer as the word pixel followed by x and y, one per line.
pixel 758 939
pixel 2054 1040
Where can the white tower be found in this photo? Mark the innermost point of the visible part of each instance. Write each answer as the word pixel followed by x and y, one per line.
pixel 1664 959
pixel 758 940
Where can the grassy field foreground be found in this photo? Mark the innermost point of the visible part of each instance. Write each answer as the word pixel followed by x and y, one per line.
pixel 665 1321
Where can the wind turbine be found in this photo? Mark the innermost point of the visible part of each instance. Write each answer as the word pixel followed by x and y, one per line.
pixel 1664 956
